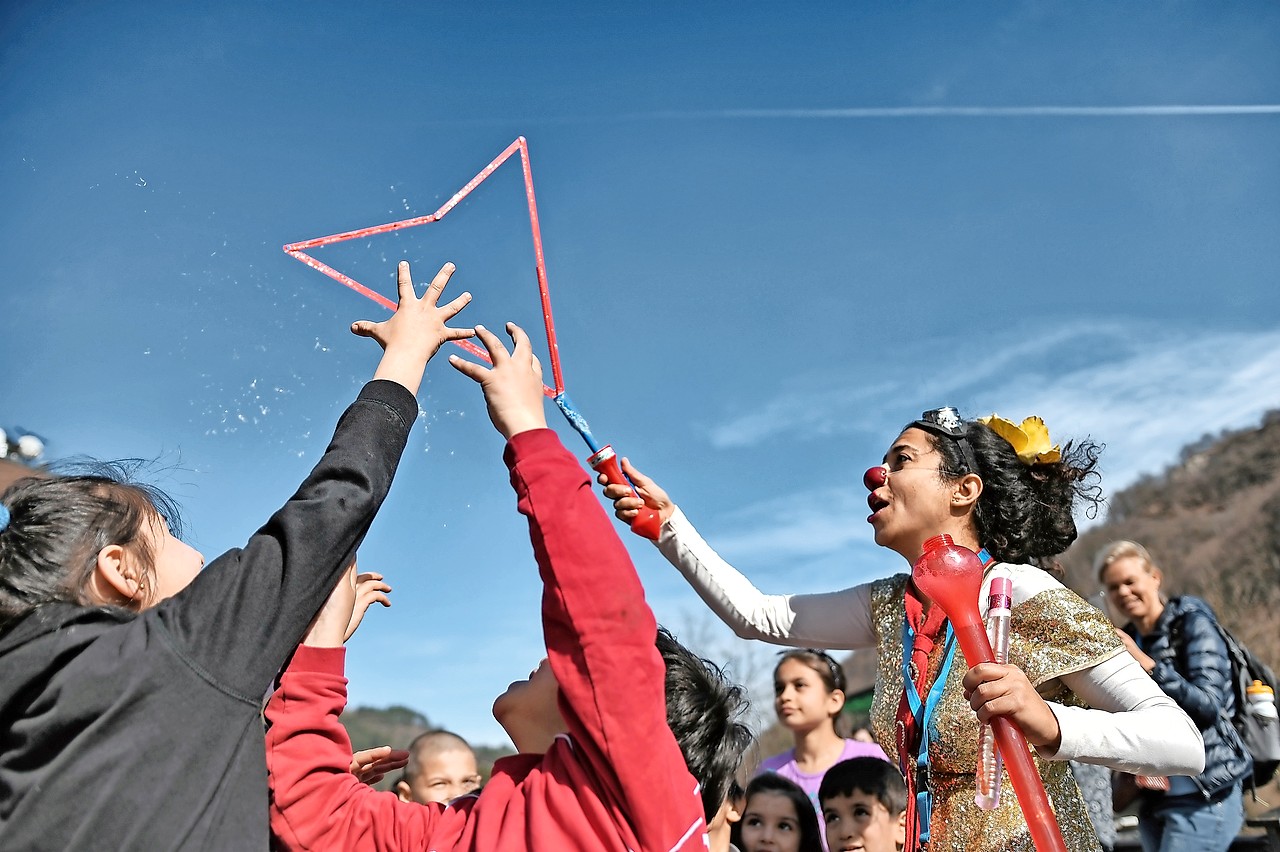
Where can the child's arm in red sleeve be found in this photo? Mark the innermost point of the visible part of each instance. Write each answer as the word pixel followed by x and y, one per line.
pixel 316 803
pixel 600 637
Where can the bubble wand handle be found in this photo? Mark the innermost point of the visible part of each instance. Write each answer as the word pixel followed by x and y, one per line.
pixel 951 576
pixel 604 460
pixel 646 523
pixel 990 765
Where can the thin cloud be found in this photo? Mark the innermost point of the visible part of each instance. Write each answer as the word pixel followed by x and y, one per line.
pixel 1161 397
pixel 1155 394
pixel 821 406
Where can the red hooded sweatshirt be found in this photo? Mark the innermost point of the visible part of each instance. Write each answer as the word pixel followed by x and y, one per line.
pixel 615 781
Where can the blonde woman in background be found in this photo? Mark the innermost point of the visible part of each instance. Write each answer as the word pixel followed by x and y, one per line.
pixel 1176 641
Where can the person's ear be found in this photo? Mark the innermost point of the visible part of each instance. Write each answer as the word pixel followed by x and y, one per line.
pixel 114 577
pixel 835 702
pixel 404 791
pixel 966 492
pixel 900 831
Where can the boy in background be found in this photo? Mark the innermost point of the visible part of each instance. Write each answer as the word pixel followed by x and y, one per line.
pixel 441 768
pixel 864 806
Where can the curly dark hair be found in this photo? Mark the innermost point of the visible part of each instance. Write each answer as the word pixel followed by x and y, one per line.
pixel 1026 512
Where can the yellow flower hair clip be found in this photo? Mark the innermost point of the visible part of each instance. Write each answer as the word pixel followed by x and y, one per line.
pixel 1030 440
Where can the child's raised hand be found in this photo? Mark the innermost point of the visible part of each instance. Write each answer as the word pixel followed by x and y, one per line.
pixel 417 330
pixel 369 588
pixel 345 608
pixel 370 765
pixel 626 504
pixel 513 387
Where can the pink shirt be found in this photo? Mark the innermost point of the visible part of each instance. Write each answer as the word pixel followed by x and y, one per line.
pixel 785 765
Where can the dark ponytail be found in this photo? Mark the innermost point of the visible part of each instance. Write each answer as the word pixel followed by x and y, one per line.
pixel 1026 512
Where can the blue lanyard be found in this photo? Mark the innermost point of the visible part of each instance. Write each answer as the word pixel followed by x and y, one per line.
pixel 923 713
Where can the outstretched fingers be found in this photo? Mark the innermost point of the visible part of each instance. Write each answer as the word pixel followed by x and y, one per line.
pixel 493 345
pixel 497 355
pixel 452 309
pixel 404 285
pixel 512 386
pixel 522 346
pixel 404 282
pixel 436 287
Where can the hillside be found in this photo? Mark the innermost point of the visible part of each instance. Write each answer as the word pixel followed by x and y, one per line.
pixel 397 726
pixel 1212 524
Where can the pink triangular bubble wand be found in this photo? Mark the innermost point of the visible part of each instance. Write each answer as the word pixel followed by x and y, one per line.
pixel 951 576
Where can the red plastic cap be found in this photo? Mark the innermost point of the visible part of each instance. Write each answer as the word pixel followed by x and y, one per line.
pixel 937 541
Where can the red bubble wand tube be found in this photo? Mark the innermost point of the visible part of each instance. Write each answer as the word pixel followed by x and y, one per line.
pixel 602 459
pixel 951 575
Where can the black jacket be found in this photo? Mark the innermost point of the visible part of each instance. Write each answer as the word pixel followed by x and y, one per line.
pixel 1192 667
pixel 121 731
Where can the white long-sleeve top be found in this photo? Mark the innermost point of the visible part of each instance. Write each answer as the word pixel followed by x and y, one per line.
pixel 1128 725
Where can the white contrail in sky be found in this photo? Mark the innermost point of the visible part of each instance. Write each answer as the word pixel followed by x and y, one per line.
pixel 980 111
pixel 1013 111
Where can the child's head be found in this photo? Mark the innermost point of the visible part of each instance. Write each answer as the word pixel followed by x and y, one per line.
pixel 441 768
pixel 529 710
pixel 778 817
pixel 703 712
pixel 808 689
pixel 864 803
pixel 92 540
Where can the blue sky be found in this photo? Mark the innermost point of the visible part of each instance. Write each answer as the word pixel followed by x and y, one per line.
pixel 773 235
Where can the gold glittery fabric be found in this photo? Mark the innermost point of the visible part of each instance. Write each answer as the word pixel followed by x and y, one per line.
pixel 1052 634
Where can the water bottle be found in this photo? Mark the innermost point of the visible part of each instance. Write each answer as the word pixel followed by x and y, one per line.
pixel 1262 701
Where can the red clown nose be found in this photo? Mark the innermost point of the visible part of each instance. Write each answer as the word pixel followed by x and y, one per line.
pixel 875 477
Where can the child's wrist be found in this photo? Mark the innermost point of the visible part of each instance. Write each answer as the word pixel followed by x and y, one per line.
pixel 522 425
pixel 326 633
pixel 330 661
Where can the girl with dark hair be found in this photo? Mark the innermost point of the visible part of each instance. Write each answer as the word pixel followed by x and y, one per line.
pixel 777 817
pixel 131 681
pixel 1004 491
pixel 809 691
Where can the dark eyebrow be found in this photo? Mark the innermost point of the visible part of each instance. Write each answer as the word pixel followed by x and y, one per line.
pixel 901 445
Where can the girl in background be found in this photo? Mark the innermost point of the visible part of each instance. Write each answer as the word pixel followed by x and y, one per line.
pixel 777 817
pixel 808 688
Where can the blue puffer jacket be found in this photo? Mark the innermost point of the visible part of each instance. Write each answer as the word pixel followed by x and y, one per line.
pixel 1192 667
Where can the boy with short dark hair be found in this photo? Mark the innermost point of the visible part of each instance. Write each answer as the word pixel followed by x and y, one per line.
pixel 600 767
pixel 864 806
